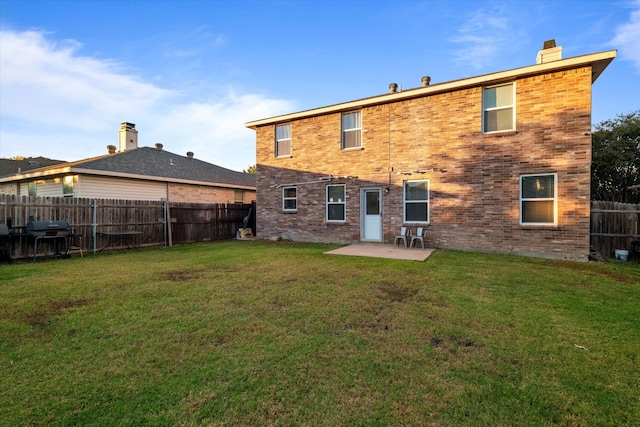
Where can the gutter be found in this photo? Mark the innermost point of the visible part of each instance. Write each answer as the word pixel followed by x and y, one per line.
pixel 599 61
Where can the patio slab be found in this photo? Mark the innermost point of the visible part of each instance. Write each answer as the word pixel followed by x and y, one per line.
pixel 383 251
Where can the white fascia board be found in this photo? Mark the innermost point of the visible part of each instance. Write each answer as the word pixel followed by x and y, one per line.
pixel 599 60
pixel 82 171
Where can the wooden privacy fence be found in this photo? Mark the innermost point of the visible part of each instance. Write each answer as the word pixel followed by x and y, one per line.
pixel 614 226
pixel 115 224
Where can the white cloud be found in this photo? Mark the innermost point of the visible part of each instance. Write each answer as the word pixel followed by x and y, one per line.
pixel 215 130
pixel 61 104
pixel 483 35
pixel 50 83
pixel 627 38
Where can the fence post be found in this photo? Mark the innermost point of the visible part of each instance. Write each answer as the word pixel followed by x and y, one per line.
pixel 94 226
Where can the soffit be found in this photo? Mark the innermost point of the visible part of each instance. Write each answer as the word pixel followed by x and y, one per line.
pixel 598 62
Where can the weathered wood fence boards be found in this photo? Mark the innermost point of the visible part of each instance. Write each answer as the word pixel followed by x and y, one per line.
pixel 195 222
pixel 614 226
pixel 189 222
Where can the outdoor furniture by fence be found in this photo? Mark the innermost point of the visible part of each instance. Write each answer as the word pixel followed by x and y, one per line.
pixel 73 237
pixel 56 232
pixel 420 234
pixel 404 233
pixel 129 237
pixel 5 243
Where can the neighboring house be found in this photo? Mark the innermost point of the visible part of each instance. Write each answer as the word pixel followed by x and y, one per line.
pixel 498 162
pixel 134 173
pixel 12 167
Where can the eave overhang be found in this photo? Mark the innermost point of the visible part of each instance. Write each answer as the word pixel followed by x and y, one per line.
pixel 67 170
pixel 597 61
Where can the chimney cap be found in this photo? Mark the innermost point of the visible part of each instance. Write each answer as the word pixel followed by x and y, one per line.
pixel 548 44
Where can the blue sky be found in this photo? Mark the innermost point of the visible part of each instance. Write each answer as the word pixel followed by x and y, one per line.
pixel 190 73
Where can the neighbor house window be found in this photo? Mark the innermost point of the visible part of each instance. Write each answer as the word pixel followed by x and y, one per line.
pixel 336 203
pixel 32 189
pixel 498 107
pixel 283 140
pixel 416 201
pixel 238 196
pixel 351 130
pixel 538 199
pixel 68 185
pixel 289 199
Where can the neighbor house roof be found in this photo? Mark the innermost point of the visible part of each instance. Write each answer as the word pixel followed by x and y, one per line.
pixel 12 167
pixel 598 62
pixel 149 164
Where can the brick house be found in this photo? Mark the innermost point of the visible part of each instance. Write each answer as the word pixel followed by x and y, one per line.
pixel 134 173
pixel 498 162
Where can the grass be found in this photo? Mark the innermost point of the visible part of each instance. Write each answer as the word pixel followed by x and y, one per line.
pixel 259 333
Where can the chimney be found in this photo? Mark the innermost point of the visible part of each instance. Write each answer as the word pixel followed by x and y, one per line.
pixel 111 149
pixel 128 138
pixel 393 88
pixel 549 52
pixel 190 154
pixel 426 81
pixel 159 147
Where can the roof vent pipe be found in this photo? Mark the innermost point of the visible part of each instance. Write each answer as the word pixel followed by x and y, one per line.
pixel 190 154
pixel 159 147
pixel 426 81
pixel 393 88
pixel 111 149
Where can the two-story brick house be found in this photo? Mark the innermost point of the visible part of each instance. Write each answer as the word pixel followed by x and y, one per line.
pixel 498 162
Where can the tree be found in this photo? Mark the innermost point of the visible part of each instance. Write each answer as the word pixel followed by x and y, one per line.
pixel 251 169
pixel 615 162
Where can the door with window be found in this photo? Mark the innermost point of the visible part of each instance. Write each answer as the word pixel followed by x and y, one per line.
pixel 371 208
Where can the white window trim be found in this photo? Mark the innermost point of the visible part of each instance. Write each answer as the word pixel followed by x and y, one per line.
pixel 512 106
pixel 283 139
pixel 327 203
pixel 284 198
pixel 541 199
pixel 404 201
pixel 358 129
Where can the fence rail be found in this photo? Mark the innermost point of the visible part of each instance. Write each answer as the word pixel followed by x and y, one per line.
pixel 614 226
pixel 153 223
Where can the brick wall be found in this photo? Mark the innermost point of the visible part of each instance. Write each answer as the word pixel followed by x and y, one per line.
pixel 474 205
pixel 205 194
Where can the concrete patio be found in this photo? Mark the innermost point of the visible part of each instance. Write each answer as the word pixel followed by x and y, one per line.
pixel 383 251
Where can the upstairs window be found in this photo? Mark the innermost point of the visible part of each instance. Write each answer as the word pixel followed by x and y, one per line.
pixel 289 199
pixel 538 199
pixel 283 140
pixel 498 108
pixel 416 201
pixel 351 130
pixel 336 203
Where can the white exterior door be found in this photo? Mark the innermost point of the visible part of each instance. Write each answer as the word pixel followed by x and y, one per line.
pixel 371 208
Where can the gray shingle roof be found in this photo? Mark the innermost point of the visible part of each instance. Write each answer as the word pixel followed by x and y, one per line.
pixel 149 161
pixel 11 167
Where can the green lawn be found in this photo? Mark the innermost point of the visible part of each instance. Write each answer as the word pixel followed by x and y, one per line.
pixel 259 333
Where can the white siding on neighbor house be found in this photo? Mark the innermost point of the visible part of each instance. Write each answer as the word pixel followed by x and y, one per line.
pixel 119 188
pixel 44 188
